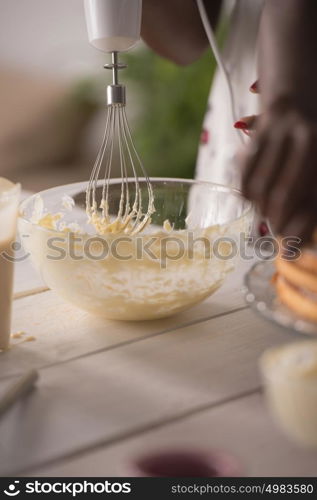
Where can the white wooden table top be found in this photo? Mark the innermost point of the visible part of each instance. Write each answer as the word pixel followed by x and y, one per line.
pixel 109 391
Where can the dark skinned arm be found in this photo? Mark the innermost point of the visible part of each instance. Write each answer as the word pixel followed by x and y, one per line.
pixel 173 28
pixel 280 169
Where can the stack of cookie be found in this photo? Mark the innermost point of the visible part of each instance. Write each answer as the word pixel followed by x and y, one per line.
pixel 296 283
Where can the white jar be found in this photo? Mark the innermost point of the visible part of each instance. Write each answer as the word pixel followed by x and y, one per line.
pixel 290 377
pixel 9 201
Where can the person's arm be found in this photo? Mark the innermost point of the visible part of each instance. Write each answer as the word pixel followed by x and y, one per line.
pixel 280 170
pixel 173 28
pixel 288 44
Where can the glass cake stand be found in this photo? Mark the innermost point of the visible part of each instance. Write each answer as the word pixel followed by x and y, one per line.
pixel 261 296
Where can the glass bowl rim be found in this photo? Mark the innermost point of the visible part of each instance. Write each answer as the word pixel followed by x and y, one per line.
pixel 117 180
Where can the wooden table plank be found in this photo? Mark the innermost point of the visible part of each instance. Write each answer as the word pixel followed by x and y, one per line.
pixel 64 332
pixel 26 279
pixel 243 428
pixel 100 398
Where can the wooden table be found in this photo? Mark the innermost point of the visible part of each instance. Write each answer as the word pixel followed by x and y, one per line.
pixel 109 391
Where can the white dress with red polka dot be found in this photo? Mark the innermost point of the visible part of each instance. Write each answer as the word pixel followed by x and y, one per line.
pixel 220 142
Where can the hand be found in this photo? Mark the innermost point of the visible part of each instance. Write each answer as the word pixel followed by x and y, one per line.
pixel 248 123
pixel 280 169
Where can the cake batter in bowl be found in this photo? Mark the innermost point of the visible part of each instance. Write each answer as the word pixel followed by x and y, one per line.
pixel 179 259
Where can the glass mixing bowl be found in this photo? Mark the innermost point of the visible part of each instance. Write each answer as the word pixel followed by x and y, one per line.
pixel 167 268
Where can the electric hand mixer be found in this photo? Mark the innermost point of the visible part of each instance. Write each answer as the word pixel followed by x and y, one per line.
pixel 114 26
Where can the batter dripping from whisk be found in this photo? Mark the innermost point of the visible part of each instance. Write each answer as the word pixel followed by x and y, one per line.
pixel 117 145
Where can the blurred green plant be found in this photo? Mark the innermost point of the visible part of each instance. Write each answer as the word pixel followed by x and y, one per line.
pixel 171 106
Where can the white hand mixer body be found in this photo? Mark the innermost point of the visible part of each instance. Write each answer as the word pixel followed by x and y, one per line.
pixel 113 26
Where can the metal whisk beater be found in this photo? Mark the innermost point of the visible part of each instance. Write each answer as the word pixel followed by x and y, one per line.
pixel 117 145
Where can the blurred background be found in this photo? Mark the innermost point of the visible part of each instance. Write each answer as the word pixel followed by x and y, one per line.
pixel 52 92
